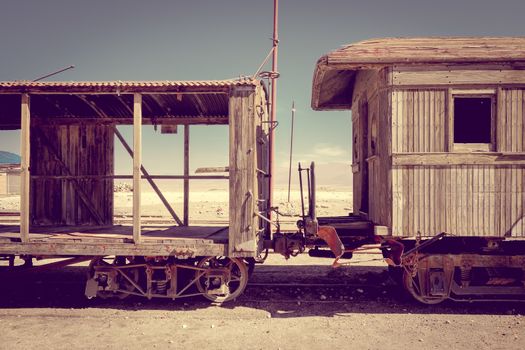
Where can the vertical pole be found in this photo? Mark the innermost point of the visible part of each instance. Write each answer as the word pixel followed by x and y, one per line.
pixel 273 97
pixel 291 152
pixel 185 219
pixel 137 162
pixel 25 173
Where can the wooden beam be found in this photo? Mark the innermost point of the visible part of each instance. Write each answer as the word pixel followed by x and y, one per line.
pixel 186 174
pixel 459 77
pixel 469 158
pixel 149 178
pixel 24 166
pixel 118 120
pixel 102 115
pixel 124 177
pixel 137 164
pixel 222 169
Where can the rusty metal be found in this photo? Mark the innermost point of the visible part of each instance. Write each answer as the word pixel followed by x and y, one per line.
pixel 121 279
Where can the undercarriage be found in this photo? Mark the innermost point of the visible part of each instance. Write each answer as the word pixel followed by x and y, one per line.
pixel 218 279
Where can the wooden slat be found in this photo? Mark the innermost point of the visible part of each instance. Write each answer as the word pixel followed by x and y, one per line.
pixel 439 159
pixel 458 77
pixel 24 168
pixel 137 164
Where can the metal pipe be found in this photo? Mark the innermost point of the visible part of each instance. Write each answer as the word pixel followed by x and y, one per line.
pixel 301 187
pixel 291 151
pixel 273 113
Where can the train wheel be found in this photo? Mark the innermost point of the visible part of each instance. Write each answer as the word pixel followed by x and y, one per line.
pixel 412 286
pixel 124 285
pixel 221 279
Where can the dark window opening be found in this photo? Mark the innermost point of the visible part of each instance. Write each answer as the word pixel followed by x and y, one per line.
pixel 472 119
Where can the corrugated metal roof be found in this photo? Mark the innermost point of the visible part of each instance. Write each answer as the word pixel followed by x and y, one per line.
pixel 430 50
pixel 122 86
pixel 196 101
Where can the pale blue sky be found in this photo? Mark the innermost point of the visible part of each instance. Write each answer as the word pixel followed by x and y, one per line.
pixel 193 40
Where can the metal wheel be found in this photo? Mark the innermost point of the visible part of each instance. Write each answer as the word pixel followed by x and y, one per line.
pixel 124 284
pixel 223 279
pixel 411 284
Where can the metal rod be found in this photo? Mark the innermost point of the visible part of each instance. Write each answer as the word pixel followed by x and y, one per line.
pixel 301 187
pixel 262 64
pixel 55 73
pixel 309 192
pixel 273 113
pixel 291 152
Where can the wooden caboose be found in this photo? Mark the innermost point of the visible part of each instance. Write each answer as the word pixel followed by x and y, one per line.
pixel 438 158
pixel 438 132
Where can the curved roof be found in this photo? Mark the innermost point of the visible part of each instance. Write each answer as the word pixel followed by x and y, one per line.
pixel 430 50
pixel 335 72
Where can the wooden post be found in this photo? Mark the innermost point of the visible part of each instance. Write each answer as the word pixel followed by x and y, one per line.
pixel 137 162
pixel 186 173
pixel 243 226
pixel 24 167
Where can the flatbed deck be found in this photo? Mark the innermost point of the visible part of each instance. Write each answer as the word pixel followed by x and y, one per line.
pixel 179 241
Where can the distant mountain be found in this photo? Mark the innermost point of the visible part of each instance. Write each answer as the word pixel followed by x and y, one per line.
pixel 9 158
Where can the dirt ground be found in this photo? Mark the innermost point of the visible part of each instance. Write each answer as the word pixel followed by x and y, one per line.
pixel 363 310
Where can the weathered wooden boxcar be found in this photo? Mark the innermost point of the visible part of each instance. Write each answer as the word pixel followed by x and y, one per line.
pixel 438 146
pixel 68 131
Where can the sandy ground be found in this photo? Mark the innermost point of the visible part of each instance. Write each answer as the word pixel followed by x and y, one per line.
pixel 354 307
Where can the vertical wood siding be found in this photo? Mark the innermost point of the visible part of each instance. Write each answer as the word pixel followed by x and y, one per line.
pixel 85 150
pixel 510 121
pixel 465 200
pixel 418 121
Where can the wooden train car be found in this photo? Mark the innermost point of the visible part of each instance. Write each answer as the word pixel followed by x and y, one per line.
pixel 438 130
pixel 68 131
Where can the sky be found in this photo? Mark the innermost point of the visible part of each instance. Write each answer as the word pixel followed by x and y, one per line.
pixel 211 39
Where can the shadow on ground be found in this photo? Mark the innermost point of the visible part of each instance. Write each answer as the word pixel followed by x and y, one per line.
pixel 358 290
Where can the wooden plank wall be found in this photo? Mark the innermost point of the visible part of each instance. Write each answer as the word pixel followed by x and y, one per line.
pixel 418 121
pixel 468 199
pixel 86 150
pixel 511 122
pixel 243 175
pixel 369 88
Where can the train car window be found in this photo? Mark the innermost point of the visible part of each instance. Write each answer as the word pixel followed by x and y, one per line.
pixel 473 123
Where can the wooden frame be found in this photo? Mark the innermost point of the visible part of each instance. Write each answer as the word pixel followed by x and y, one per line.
pixel 24 168
pixel 185 219
pixel 137 164
pixel 471 93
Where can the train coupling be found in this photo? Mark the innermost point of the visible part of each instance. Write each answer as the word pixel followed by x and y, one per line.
pixel 289 244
